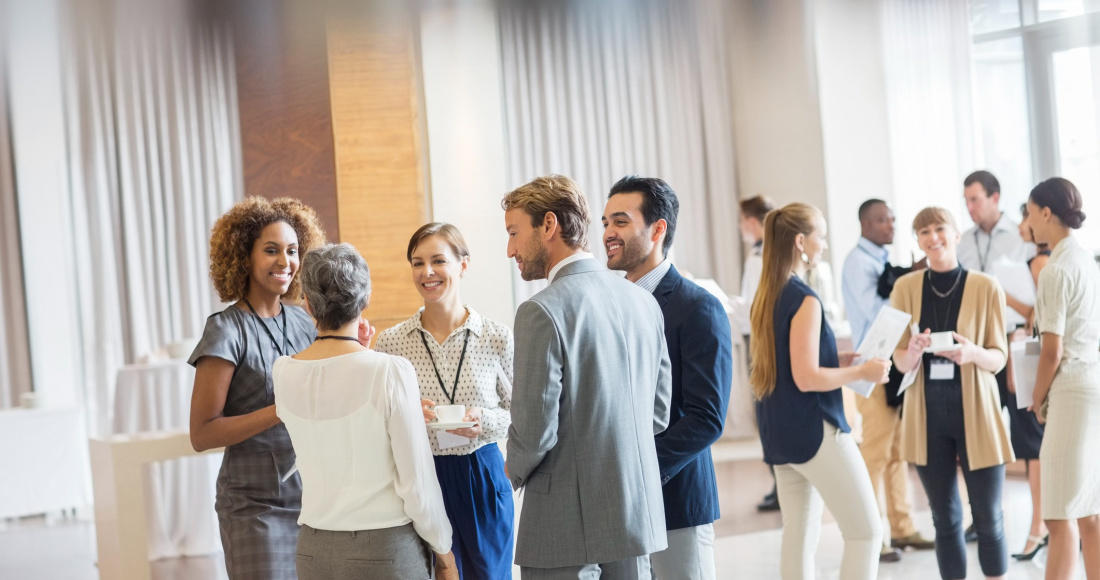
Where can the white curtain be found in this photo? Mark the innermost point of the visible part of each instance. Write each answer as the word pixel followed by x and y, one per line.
pixel 155 159
pixel 15 366
pixel 927 60
pixel 598 90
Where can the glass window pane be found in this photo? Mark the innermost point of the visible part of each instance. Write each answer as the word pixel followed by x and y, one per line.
pixel 993 15
pixel 1056 9
pixel 1001 119
pixel 1076 74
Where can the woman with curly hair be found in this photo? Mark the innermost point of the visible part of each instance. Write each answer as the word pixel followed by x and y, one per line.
pixel 254 260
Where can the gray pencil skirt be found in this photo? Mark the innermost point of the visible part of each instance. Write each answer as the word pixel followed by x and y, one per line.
pixel 382 554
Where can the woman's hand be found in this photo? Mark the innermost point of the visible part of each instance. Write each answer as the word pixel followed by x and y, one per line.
pixel 1038 410
pixel 426 406
pixel 847 357
pixel 876 370
pixel 445 567
pixel 472 414
pixel 919 342
pixel 1018 335
pixel 965 354
pixel 366 332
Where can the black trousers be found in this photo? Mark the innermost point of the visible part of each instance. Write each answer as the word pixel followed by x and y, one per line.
pixel 946 452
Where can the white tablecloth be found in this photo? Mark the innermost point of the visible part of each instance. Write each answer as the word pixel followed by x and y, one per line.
pixel 180 500
pixel 43 461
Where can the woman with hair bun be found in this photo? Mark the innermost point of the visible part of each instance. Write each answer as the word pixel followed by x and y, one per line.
pixel 254 260
pixel 1067 386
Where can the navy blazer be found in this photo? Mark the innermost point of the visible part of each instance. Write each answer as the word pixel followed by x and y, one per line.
pixel 700 348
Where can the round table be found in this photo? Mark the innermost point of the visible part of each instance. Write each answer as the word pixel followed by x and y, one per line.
pixel 180 503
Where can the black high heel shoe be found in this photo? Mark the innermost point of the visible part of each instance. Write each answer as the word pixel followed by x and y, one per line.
pixel 1040 543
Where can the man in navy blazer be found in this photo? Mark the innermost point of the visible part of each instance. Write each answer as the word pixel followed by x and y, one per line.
pixel 639 223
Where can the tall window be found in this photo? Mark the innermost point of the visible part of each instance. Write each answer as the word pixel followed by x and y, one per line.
pixel 1036 75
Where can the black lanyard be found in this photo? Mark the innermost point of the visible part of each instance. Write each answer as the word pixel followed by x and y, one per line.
pixel 465 342
pixel 282 313
pixel 988 246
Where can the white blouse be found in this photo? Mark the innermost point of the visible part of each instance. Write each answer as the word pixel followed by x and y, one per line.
pixel 358 433
pixel 489 354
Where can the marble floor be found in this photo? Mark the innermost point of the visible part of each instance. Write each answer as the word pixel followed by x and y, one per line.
pixel 747 547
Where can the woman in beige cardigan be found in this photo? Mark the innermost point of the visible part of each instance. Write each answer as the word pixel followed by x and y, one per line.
pixel 952 413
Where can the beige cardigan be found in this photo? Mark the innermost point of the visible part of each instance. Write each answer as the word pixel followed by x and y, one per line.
pixel 982 320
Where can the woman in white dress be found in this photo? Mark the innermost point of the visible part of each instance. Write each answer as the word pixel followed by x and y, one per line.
pixel 1067 387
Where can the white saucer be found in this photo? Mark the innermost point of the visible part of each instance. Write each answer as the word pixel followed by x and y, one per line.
pixel 452 426
pixel 948 348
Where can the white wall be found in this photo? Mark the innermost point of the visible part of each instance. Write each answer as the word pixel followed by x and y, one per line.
pixel 460 59
pixel 38 140
pixel 777 119
pixel 854 120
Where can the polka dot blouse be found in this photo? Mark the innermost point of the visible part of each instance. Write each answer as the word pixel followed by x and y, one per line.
pixel 491 348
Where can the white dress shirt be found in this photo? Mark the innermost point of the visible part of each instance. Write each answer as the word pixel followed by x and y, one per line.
pixel 750 281
pixel 358 433
pixel 859 286
pixel 980 251
pixel 490 352
pixel 652 278
pixel 565 262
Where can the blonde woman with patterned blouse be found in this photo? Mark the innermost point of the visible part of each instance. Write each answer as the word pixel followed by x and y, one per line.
pixel 462 358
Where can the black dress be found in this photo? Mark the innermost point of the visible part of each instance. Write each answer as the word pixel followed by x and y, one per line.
pixel 1024 428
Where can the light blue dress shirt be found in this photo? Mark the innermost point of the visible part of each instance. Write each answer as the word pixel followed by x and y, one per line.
pixel 859 285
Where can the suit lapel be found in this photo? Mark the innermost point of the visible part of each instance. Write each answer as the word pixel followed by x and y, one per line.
pixel 667 285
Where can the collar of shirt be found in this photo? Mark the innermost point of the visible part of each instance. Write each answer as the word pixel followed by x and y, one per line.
pixel 1004 224
pixel 652 278
pixel 574 258
pixel 473 322
pixel 874 249
pixel 1067 243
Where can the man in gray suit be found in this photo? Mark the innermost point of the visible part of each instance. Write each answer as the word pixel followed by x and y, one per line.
pixel 592 388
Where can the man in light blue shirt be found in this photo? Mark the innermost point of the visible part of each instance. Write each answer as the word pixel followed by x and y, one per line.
pixel 881 423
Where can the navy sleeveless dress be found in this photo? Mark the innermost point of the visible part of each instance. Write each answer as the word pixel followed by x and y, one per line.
pixel 791 422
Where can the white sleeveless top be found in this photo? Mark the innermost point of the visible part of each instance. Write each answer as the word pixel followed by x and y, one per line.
pixel 362 450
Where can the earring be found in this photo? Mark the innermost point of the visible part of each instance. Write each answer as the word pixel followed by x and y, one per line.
pixel 805 258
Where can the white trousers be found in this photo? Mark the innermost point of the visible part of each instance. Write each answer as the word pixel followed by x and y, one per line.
pixel 689 556
pixel 836 477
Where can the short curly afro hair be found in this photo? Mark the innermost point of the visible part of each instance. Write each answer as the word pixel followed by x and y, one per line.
pixel 234 234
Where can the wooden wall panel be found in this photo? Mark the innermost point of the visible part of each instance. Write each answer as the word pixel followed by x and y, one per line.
pixel 376 122
pixel 283 94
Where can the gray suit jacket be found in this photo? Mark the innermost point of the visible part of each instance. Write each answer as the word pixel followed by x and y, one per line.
pixel 592 387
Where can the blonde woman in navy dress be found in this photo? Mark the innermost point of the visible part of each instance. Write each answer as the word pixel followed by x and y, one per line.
pixel 462 358
pixel 254 260
pixel 1067 385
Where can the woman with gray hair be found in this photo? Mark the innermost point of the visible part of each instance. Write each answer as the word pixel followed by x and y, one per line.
pixel 371 504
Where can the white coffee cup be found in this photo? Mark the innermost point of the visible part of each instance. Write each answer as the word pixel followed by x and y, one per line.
pixel 450 413
pixel 941 340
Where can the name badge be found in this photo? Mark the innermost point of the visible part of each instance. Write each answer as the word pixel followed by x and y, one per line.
pixel 941 370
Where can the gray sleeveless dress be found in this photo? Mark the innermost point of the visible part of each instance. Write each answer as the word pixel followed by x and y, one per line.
pixel 257 510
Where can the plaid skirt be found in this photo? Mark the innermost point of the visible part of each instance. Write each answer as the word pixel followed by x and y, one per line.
pixel 258 514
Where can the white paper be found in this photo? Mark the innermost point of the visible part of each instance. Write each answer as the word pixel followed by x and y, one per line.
pixel 879 342
pixel 1025 367
pixel 448 440
pixel 910 377
pixel 502 378
pixel 1015 278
